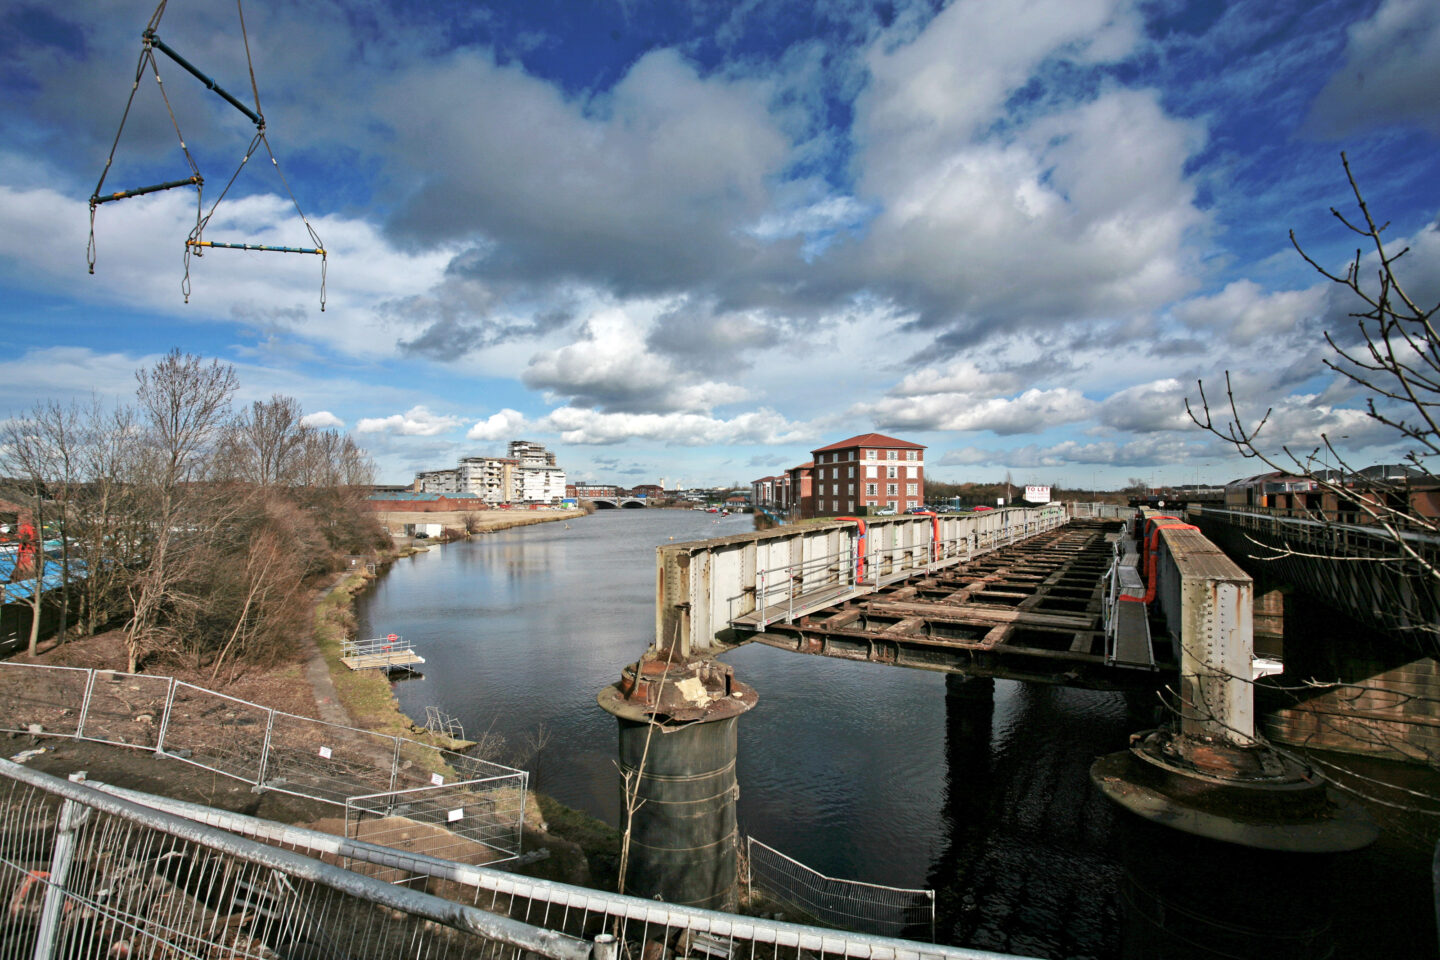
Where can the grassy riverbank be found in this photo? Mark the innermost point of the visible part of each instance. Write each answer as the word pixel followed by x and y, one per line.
pixel 580 849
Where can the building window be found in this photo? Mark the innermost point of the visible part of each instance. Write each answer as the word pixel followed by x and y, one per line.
pixel 870 489
pixel 890 489
pixel 852 472
pixel 891 473
pixel 892 455
pixel 910 454
pixel 869 454
pixel 910 489
pixel 849 506
pixel 870 470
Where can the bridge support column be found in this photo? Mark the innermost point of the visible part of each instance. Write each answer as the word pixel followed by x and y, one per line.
pixel 1207 774
pixel 678 786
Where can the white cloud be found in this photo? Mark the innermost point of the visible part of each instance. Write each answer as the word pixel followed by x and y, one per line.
pixel 505 425
pixel 1147 407
pixel 1245 312
pixel 322 420
pixel 1391 72
pixel 763 426
pixel 1079 210
pixel 613 369
pixel 1030 412
pixel 418 421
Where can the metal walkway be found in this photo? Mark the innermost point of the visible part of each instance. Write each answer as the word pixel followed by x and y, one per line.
pixel 1032 611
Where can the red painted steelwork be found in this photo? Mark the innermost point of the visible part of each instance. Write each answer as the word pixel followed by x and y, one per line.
pixel 859 548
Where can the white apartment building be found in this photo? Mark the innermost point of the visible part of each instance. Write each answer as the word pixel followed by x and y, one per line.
pixel 528 475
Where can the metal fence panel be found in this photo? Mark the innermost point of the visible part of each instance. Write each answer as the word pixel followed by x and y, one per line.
pixel 219 733
pixel 471 822
pixel 848 904
pixel 125 708
pixel 83 874
pixel 312 758
pixel 273 750
pixel 48 700
pixel 641 926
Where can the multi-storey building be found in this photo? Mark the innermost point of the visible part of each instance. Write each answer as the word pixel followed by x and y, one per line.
pixel 528 475
pixel 871 471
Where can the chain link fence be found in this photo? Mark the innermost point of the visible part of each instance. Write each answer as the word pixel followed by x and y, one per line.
pixel 388 778
pixel 847 904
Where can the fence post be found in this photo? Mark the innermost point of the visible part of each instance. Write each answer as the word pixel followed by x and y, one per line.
pixel 85 705
pixel 265 750
pixel 604 947
pixel 395 765
pixel 165 719
pixel 72 816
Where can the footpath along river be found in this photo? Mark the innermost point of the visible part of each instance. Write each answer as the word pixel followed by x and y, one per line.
pixel 860 771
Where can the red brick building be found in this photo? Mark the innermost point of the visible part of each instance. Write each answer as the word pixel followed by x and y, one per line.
pixel 869 472
pixel 800 490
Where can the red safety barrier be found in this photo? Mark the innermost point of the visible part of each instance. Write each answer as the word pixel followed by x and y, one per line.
pixel 859 548
pixel 1149 544
pixel 934 532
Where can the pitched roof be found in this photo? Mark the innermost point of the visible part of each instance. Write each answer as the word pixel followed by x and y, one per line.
pixel 871 440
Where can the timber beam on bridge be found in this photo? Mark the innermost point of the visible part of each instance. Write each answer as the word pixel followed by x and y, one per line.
pixel 1030 611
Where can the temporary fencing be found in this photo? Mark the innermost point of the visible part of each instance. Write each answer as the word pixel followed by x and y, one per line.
pixel 848 904
pixel 387 777
pixel 553 920
pixel 86 874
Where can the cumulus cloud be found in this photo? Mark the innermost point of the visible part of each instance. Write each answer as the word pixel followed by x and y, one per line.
pixel 1076 208
pixel 611 369
pixel 505 425
pixel 418 421
pixel 1147 407
pixel 1134 453
pixel 1245 312
pixel 1029 412
pixel 322 420
pixel 1391 73
pixel 584 426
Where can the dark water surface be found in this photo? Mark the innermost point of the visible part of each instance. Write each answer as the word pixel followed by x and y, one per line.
pixel 979 790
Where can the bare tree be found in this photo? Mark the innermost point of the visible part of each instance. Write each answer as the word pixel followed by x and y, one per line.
pixel 183 404
pixel 1396 364
pixel 265 444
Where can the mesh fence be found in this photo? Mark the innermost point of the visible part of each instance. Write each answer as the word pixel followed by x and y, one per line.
pixel 277 751
pixel 84 874
pixel 848 904
pixel 642 928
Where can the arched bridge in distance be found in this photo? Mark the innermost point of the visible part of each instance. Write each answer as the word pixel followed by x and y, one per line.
pixel 619 503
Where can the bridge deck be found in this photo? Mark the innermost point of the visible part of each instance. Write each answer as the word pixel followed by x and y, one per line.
pixel 1030 611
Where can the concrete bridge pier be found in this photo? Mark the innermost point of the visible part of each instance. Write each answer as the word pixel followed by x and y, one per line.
pixel 677 723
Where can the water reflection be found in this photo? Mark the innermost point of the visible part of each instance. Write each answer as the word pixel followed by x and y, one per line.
pixel 903 777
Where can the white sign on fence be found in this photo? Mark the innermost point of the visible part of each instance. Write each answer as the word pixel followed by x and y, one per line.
pixel 1037 494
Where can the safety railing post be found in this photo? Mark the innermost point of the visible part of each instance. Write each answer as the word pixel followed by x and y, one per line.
pixel 760 598
pixel 395 765
pixel 72 816
pixel 165 719
pixel 85 705
pixel 604 947
pixel 265 749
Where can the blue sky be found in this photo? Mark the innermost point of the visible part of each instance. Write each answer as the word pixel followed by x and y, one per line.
pixel 697 240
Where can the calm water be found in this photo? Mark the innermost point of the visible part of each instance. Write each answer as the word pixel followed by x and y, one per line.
pixel 873 773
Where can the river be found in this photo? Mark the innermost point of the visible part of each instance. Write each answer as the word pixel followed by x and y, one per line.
pixel 861 771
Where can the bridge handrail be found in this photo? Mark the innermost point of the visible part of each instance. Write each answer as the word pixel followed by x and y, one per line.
pixel 1261 519
pixel 703 586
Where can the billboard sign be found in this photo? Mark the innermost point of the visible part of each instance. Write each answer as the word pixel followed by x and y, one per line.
pixel 1037 494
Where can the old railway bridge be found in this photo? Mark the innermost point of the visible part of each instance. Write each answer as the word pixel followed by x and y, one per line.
pixel 1038 594
pixel 1020 593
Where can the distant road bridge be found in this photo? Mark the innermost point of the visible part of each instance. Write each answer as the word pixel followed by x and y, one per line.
pixel 612 503
pixel 1021 593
